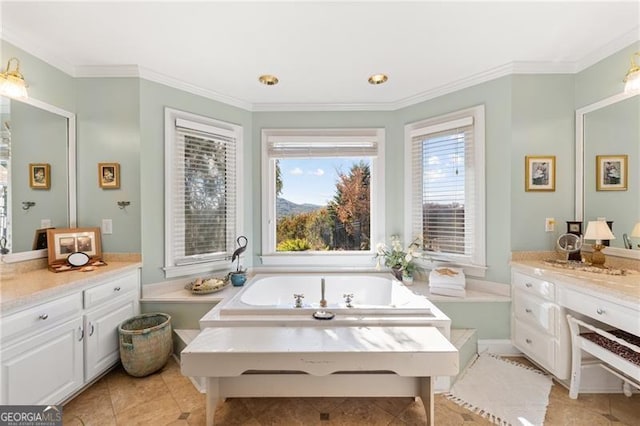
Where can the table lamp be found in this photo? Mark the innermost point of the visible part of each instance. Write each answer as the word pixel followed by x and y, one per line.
pixel 598 230
pixel 636 232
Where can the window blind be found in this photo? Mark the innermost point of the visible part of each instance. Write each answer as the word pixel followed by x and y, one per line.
pixel 443 186
pixel 322 147
pixel 204 191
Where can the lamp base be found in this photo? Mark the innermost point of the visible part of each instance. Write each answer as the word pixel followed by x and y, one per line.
pixel 597 257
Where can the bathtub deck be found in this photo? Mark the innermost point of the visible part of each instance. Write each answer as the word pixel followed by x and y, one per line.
pixel 317 361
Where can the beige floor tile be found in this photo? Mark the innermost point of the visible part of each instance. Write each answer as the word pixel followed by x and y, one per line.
pixel 282 411
pixel 233 411
pixel 324 405
pixel 393 406
pixel 626 410
pixel 127 391
pixel 91 407
pixel 160 410
pixel 359 411
pixel 574 415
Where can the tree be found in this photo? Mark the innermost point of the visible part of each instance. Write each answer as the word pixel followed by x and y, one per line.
pixel 351 206
pixel 278 179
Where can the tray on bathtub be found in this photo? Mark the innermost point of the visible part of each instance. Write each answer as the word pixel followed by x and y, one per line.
pixel 208 286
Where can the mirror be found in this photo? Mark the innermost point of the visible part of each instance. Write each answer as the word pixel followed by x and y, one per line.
pixel 37 174
pixel 610 127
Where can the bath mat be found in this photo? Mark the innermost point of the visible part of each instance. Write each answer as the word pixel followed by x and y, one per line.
pixel 502 391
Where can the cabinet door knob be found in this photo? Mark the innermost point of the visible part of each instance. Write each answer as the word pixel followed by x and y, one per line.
pixel 528 285
pixel 116 289
pixel 600 311
pixel 92 328
pixel 528 310
pixel 81 330
pixel 528 341
pixel 44 316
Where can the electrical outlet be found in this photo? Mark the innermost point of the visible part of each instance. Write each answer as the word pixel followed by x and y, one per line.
pixel 549 224
pixel 107 226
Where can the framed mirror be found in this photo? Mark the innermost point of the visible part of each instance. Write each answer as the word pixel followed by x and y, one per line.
pixel 38 142
pixel 608 135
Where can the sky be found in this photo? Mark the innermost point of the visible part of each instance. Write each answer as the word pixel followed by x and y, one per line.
pixel 312 180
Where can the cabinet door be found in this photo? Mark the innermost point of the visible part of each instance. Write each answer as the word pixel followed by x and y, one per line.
pixel 45 368
pixel 102 348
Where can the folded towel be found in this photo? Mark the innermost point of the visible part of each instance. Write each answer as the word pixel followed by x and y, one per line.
pixel 448 291
pixel 460 286
pixel 447 275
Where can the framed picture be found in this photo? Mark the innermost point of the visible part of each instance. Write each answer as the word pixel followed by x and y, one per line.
pixel 64 241
pixel 109 175
pixel 40 239
pixel 540 173
pixel 39 175
pixel 574 227
pixel 611 172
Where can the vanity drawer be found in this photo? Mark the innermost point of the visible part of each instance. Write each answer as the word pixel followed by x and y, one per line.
pixel 111 289
pixel 534 286
pixel 604 311
pixel 535 311
pixel 535 344
pixel 40 317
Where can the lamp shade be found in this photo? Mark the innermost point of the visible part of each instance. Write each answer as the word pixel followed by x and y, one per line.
pixel 598 230
pixel 636 231
pixel 632 79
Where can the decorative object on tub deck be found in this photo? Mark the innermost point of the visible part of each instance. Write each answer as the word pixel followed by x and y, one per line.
pixel 447 281
pixel 39 175
pixel 540 173
pixel 399 260
pixel 207 286
pixel 239 277
pixel 76 243
pixel 109 175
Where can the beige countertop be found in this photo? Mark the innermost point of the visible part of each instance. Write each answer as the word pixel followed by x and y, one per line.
pixel 22 289
pixel 625 288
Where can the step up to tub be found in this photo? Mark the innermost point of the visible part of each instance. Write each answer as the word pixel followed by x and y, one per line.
pixel 183 338
pixel 466 342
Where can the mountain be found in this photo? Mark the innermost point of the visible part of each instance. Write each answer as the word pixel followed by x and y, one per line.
pixel 285 207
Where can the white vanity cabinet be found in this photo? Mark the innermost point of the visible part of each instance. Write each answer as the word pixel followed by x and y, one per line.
pixel 51 349
pixel 538 326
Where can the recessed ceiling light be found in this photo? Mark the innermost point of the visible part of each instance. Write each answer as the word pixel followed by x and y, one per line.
pixel 268 79
pixel 378 78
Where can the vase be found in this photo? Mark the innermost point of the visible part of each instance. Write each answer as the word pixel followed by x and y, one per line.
pixel 397 272
pixel 407 279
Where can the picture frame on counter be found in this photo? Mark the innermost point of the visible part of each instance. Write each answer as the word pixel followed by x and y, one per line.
pixel 64 242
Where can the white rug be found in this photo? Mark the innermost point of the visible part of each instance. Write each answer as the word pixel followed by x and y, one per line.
pixel 504 392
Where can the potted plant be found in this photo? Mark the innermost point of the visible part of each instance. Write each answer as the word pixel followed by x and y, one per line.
pixel 399 260
pixel 239 277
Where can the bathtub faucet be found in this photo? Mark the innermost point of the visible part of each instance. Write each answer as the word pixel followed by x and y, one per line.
pixel 298 298
pixel 348 298
pixel 323 301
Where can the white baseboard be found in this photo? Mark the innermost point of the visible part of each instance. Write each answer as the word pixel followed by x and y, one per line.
pixel 497 347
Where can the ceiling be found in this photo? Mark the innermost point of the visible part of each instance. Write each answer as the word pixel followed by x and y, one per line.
pixel 322 52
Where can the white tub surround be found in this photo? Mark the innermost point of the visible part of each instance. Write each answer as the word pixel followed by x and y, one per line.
pixel 319 361
pixel 542 298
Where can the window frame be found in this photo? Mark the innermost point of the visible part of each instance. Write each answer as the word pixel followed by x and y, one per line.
pixel 474 265
pixel 310 260
pixel 171 269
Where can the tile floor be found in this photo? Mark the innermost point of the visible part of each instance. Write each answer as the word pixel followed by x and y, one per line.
pixel 168 398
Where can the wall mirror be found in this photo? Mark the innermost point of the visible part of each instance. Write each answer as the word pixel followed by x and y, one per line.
pixel 36 137
pixel 610 127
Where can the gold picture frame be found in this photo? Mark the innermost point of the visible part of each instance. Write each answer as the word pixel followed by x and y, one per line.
pixel 612 172
pixel 109 175
pixel 39 175
pixel 540 173
pixel 64 241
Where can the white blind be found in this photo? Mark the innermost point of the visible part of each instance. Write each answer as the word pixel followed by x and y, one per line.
pixel 204 193
pixel 322 147
pixel 443 187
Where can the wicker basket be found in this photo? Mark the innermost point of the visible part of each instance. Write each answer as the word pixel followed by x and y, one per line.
pixel 145 343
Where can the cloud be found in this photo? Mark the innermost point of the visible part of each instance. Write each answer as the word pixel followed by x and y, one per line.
pixel 316 172
pixel 297 171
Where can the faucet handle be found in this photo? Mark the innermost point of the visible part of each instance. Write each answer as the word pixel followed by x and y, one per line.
pixel 298 298
pixel 348 298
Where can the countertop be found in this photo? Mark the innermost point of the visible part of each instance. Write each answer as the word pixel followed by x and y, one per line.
pixel 28 288
pixel 620 287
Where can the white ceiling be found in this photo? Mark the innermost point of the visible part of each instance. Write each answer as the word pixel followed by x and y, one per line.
pixel 322 52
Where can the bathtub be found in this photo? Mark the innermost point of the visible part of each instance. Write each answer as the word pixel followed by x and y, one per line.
pixel 378 299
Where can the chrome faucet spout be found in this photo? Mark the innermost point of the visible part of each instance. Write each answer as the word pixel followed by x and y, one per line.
pixel 323 302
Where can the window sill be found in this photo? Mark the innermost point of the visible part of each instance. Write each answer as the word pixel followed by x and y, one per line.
pixel 195 268
pixel 320 261
pixel 470 270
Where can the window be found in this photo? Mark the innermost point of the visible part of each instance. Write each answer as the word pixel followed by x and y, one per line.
pixel 445 180
pixel 202 211
pixel 323 196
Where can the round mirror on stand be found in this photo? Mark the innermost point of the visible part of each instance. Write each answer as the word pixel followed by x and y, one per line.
pixel 569 243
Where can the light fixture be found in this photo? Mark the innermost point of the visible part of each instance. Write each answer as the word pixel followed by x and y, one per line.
pixel 12 83
pixel 632 79
pixel 378 79
pixel 636 232
pixel 268 79
pixel 598 230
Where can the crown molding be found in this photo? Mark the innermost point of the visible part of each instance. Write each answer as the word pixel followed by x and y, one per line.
pixel 608 49
pixel 117 71
pixel 320 107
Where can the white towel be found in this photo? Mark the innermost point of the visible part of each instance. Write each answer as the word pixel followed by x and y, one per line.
pixel 456 292
pixel 446 276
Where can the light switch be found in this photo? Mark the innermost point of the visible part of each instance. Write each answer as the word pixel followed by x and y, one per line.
pixel 107 226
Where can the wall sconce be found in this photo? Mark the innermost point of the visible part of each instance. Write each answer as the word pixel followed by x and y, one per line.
pixel 636 232
pixel 12 83
pixel 123 204
pixel 598 230
pixel 26 205
pixel 632 79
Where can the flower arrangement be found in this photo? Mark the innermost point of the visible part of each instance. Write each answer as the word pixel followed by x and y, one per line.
pixel 395 257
